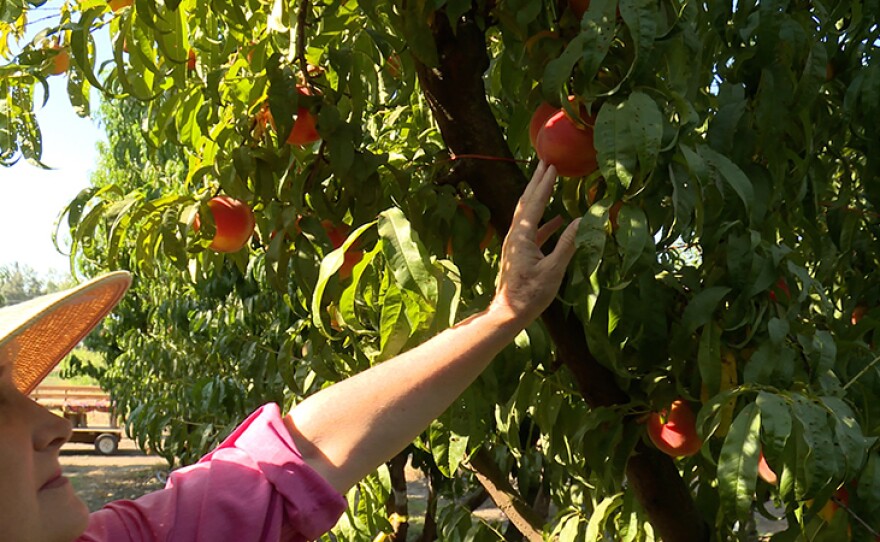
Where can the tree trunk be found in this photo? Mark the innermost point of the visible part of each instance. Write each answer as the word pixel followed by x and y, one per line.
pixel 429 531
pixel 398 503
pixel 457 96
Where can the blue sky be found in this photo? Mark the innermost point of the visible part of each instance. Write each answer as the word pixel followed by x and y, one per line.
pixel 32 198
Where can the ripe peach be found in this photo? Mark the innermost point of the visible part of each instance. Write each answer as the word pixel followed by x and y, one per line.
pixel 60 62
pixel 613 213
pixel 779 291
pixel 579 7
pixel 304 130
pixel 765 472
pixel 674 430
pixel 567 145
pixel 338 234
pixel 234 221
pixel 191 60
pixel 541 115
pixel 117 5
pixel 858 313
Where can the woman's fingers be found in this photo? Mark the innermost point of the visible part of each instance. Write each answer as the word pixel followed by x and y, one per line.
pixel 534 199
pixel 564 250
pixel 548 229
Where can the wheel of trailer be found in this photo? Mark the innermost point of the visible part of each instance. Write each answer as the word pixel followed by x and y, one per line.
pixel 107 444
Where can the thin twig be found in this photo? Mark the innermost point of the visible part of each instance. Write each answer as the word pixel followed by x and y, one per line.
pixel 301 17
pixel 862 372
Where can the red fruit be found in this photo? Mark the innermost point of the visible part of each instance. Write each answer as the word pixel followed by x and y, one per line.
pixel 541 115
pixel 304 131
pixel 234 221
pixel 613 213
pixel 781 287
pixel 674 431
pixel 117 5
pixel 765 472
pixel 60 62
pixel 191 60
pixel 567 145
pixel 392 64
pixel 858 313
pixel 338 234
pixel 827 512
pixel 593 193
pixel 579 7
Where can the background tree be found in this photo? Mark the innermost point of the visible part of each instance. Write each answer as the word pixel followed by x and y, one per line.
pixel 728 247
pixel 21 282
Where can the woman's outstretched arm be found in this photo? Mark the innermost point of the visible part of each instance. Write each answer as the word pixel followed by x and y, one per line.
pixel 347 430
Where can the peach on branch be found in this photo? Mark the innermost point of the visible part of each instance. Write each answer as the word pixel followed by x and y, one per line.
pixel 60 61
pixel 541 115
pixel 568 144
pixel 118 5
pixel 234 221
pixel 338 233
pixel 304 130
pixel 674 430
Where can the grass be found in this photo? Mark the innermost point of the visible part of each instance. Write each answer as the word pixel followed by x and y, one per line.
pixel 87 356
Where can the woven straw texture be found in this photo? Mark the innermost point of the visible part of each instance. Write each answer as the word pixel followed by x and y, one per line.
pixel 37 334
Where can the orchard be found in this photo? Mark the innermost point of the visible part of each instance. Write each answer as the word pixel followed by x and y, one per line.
pixel 711 356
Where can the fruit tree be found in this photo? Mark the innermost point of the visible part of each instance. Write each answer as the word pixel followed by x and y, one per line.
pixel 724 157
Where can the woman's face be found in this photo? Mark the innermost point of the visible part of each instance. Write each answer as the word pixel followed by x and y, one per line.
pixel 37 504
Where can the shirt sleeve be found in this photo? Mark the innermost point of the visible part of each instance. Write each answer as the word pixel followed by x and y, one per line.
pixel 254 487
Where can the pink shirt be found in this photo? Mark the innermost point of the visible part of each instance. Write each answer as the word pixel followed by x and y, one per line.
pixel 253 487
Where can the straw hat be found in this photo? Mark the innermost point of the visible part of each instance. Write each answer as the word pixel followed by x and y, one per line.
pixel 35 335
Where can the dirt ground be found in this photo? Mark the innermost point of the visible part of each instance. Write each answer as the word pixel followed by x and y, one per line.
pixel 99 479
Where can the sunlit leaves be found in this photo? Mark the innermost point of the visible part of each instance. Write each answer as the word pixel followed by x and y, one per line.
pixel 737 147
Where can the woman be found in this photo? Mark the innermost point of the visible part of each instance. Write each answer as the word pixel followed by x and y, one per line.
pixel 275 477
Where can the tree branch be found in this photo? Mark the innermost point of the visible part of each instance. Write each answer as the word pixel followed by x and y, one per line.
pixel 457 96
pixel 505 497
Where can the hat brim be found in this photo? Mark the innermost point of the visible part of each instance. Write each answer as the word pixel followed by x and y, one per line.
pixel 45 329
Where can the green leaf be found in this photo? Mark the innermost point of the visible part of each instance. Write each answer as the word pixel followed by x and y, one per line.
pixel 778 329
pixel 589 47
pixel 641 17
pixel 738 463
pixel 868 488
pixel 709 358
pixel 701 307
pixel 329 266
pixel 404 254
pixel 823 463
pixel 591 237
pixel 632 235
pixel 852 445
pixel 418 32
pixel 775 422
pixel 600 516
pixel 80 42
pixel 732 174
pixel 394 329
pixel 627 138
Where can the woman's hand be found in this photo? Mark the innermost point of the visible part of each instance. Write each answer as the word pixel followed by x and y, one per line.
pixel 528 280
pixel 346 430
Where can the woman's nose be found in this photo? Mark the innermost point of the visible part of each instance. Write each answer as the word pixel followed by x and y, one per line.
pixel 50 430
